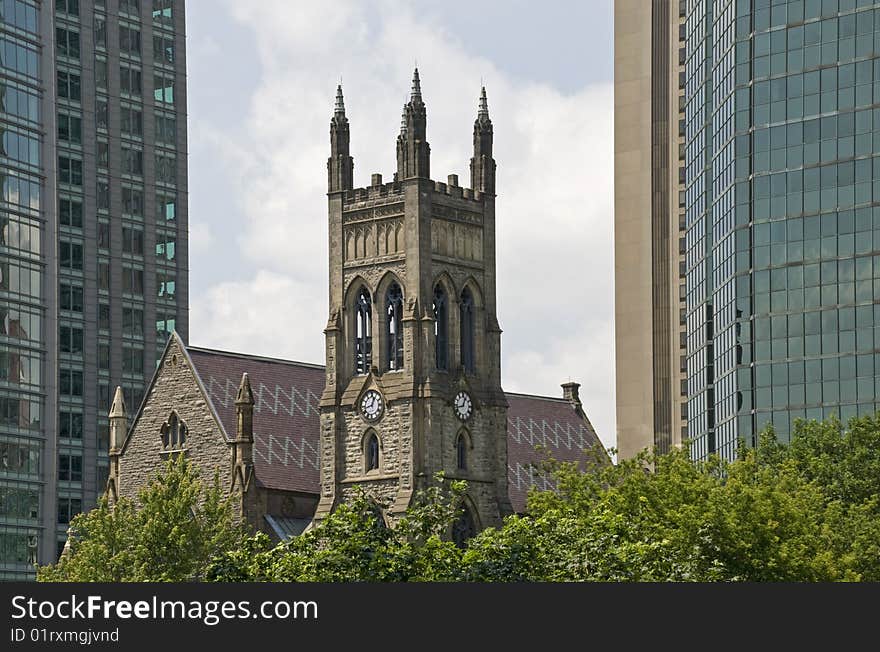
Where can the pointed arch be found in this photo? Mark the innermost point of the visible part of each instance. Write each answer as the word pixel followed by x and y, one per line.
pixel 467 325
pixel 476 291
pixel 394 327
pixel 466 525
pixel 360 250
pixel 387 239
pixel 350 253
pixel 362 330
pixel 371 450
pixel 441 327
pixel 388 278
pixel 463 446
pixel 173 432
pixel 370 241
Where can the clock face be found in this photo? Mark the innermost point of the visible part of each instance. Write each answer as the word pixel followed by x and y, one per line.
pixel 463 406
pixel 371 405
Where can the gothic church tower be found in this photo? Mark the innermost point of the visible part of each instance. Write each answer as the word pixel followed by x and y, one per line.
pixel 413 380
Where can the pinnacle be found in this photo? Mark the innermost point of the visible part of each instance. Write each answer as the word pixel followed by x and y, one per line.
pixel 117 409
pixel 339 109
pixel 245 395
pixel 483 111
pixel 416 95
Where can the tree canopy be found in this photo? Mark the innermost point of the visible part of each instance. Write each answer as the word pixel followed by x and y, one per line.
pixel 808 510
pixel 170 534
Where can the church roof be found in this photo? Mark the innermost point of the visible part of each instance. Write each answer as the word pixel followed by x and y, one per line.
pixel 286 422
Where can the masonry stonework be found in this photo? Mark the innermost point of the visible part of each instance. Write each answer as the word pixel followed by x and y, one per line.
pixel 426 236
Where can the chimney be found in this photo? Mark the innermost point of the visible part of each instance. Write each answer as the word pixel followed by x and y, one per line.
pixel 376 180
pixel 570 393
pixel 453 180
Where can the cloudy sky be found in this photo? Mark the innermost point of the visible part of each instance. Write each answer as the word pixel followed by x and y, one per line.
pixel 261 81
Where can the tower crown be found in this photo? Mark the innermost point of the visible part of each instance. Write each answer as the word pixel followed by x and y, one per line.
pixel 482 163
pixel 413 150
pixel 412 341
pixel 339 109
pixel 416 92
pixel 340 165
pixel 483 111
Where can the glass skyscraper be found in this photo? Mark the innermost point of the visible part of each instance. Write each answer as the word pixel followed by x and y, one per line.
pixel 782 201
pixel 93 257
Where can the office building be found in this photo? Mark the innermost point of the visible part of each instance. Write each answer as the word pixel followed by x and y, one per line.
pixel 649 224
pixel 782 216
pixel 93 254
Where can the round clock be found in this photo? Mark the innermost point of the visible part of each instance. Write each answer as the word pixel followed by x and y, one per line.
pixel 464 406
pixel 371 405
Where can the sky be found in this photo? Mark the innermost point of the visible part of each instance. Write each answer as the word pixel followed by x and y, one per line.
pixel 261 81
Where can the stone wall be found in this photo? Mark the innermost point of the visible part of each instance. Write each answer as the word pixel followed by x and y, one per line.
pixel 175 388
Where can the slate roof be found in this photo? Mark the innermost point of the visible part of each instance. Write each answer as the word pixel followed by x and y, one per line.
pixel 286 425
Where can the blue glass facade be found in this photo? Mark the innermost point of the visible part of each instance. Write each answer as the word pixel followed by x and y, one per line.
pixel 783 215
pixel 22 287
pixel 93 250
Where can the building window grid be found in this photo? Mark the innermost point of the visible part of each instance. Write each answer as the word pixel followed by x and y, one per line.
pixel 834 244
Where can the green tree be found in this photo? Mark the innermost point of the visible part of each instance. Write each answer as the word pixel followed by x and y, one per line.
pixel 808 510
pixel 354 544
pixel 177 527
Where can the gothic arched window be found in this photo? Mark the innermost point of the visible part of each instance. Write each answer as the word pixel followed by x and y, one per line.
pixel 441 328
pixel 464 527
pixel 468 359
pixel 173 433
pixel 371 453
pixel 394 315
pixel 461 446
pixel 363 335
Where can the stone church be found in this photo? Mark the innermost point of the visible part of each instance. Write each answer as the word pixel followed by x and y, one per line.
pixel 412 381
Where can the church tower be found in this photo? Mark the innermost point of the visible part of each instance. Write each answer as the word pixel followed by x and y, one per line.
pixel 413 380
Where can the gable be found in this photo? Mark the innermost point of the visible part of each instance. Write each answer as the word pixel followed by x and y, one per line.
pixel 175 388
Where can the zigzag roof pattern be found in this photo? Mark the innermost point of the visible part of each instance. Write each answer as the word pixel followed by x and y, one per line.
pixel 286 422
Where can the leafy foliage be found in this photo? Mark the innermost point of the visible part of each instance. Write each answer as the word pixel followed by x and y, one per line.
pixel 177 528
pixel 808 510
pixel 355 544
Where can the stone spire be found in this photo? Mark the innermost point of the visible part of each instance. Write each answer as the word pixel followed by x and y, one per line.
pixel 413 150
pixel 244 410
pixel 483 112
pixel 339 109
pixel 118 430
pixel 416 92
pixel 118 425
pixel 243 444
pixel 482 163
pixel 340 165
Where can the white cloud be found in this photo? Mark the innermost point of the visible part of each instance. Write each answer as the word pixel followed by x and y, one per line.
pixel 259 315
pixel 201 239
pixel 554 210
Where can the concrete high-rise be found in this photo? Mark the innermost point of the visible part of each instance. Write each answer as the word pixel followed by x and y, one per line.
pixel 782 215
pixel 93 255
pixel 648 224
